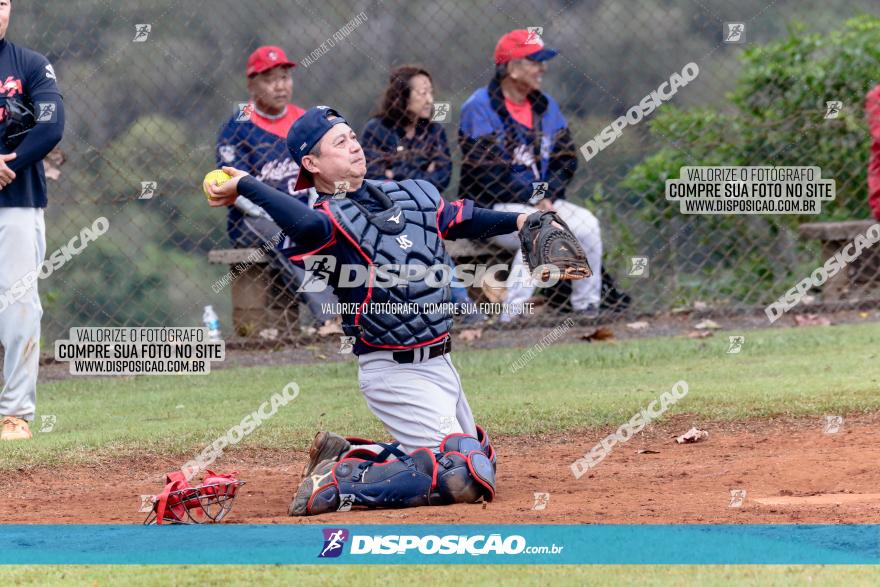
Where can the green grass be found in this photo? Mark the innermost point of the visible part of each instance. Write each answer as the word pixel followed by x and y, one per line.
pixel 780 372
pixel 476 575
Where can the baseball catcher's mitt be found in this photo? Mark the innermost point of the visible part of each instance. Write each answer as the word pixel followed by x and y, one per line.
pixel 552 248
pixel 19 120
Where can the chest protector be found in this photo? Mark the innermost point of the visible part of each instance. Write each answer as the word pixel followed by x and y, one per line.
pixel 403 233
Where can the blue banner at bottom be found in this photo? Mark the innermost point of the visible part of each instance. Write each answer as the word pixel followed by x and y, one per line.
pixel 440 544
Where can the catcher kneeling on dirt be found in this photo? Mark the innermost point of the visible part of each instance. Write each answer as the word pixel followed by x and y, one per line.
pixel 439 455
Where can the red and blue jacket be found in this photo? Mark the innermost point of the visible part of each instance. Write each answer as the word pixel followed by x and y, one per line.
pixel 489 136
pixel 872 109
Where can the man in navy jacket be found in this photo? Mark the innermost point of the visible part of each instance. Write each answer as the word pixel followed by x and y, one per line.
pixel 26 78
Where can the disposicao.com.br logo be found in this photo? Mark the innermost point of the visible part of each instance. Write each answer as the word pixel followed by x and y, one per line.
pixel 477 545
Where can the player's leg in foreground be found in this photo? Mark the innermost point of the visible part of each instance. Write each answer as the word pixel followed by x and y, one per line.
pixel 23 244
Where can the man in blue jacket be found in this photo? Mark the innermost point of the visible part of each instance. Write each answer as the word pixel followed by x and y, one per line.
pixel 518 156
pixel 27 81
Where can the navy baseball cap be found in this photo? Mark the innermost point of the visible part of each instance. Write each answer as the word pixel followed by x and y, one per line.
pixel 307 132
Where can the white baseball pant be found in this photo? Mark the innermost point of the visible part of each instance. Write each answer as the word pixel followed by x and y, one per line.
pixel 23 249
pixel 419 403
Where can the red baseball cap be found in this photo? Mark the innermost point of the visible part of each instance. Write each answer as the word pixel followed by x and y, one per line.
pixel 521 43
pixel 265 58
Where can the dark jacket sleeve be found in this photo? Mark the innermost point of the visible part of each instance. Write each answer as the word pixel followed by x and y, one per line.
pixel 432 148
pixel 380 148
pixel 441 157
pixel 231 150
pixel 42 88
pixel 42 138
pixel 378 145
pixel 487 175
pixel 484 223
pixel 299 222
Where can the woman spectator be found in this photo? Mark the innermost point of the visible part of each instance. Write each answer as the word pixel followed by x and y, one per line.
pixel 402 142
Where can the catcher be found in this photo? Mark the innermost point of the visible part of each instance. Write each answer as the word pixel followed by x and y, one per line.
pixel 439 455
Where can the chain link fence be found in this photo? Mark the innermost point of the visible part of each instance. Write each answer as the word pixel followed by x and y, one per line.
pixel 147 88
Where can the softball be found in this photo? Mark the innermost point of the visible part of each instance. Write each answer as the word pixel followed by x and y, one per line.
pixel 217 176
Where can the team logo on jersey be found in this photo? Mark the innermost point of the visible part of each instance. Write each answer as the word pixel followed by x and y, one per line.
pixel 11 86
pixel 50 72
pixel 227 153
pixel 404 242
pixel 277 170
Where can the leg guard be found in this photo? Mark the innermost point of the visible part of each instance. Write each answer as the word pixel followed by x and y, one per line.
pixel 465 473
pixel 460 473
pixel 352 482
pixel 486 445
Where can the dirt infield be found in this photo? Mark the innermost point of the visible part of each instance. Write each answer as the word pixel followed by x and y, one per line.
pixel 792 472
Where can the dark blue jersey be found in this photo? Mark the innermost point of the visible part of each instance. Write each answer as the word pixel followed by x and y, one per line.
pixel 258 145
pixel 27 74
pixel 311 232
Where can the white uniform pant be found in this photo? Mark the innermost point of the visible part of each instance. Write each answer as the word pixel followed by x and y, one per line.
pixel 22 249
pixel 585 227
pixel 419 403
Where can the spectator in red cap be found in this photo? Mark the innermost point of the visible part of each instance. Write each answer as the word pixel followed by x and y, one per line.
pixel 254 139
pixel 518 156
pixel 872 109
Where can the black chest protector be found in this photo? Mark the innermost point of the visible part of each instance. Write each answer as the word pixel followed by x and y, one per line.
pixel 403 233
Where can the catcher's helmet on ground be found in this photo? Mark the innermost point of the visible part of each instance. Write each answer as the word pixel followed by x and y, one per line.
pixel 181 503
